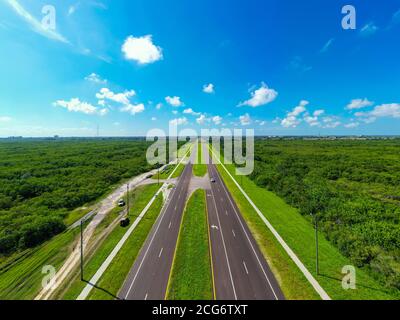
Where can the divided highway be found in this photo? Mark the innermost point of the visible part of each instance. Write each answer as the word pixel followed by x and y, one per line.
pixel 240 270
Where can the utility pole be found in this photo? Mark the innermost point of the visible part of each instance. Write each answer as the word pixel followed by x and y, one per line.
pixel 316 243
pixel 127 200
pixel 158 175
pixel 82 279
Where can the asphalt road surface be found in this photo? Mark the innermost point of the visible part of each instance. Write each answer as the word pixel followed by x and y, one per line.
pixel 148 278
pixel 240 270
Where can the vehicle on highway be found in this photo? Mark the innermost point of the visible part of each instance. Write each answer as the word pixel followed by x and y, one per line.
pixel 213 180
pixel 121 203
pixel 124 222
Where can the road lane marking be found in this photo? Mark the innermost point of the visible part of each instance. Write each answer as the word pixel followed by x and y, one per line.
pixel 245 267
pixel 159 256
pixel 226 212
pixel 224 245
pixel 145 298
pixel 234 234
pixel 169 227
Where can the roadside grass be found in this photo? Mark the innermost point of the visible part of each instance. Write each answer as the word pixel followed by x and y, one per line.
pixel 75 215
pixel 191 277
pixel 139 199
pixel 21 274
pixel 299 234
pixel 199 168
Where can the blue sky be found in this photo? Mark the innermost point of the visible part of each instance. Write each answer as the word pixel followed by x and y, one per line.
pixel 280 67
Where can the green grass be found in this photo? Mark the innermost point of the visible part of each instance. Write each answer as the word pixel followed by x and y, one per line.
pixel 299 235
pixel 139 199
pixel 75 215
pixel 191 277
pixel 21 274
pixel 199 169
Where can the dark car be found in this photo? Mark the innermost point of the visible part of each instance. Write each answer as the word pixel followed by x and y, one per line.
pixel 124 222
pixel 121 203
pixel 213 180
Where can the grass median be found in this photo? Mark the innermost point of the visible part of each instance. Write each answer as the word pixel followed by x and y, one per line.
pixel 199 169
pixel 299 234
pixel 191 276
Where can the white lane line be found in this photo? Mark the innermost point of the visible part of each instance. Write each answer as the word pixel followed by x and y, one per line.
pixel 317 287
pixel 245 267
pixel 169 227
pixel 226 253
pixel 234 234
pixel 248 239
pixel 226 212
pixel 149 246
pixel 145 298
pixel 159 256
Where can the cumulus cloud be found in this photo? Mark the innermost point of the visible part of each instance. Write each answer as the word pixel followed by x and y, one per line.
pixel 331 122
pixel 260 97
pixel 217 120
pixel 133 109
pixel 159 106
pixel 359 104
pixel 208 88
pixel 245 119
pixel 179 121
pixel 292 118
pixel 201 120
pixel 107 94
pixel 390 110
pixel 95 78
pixel 141 49
pixel 191 112
pixel 174 101
pixel 75 105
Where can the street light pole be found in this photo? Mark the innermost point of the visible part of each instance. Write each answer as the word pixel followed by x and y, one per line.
pixel 82 279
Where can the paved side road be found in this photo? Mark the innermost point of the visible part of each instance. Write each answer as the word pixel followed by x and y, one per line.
pixel 148 278
pixel 240 270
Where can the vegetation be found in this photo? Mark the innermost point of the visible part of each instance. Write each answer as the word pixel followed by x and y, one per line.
pixel 281 167
pixel 42 181
pixel 107 288
pixel 200 168
pixel 191 277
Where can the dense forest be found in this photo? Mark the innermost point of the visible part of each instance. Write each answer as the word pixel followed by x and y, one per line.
pixel 41 181
pixel 353 187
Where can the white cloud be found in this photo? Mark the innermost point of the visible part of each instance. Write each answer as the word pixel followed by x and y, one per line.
pixel 75 105
pixel 260 97
pixel 318 113
pixel 95 78
pixel 103 112
pixel 153 119
pixel 292 120
pixel 35 24
pixel 390 110
pixel 123 98
pixel 217 120
pixel 72 9
pixel 159 106
pixel 359 104
pixel 133 109
pixel 208 88
pixel 178 121
pixel 5 119
pixel 175 112
pixel 191 112
pixel 174 101
pixel 141 49
pixel 331 122
pixel 327 45
pixel 369 29
pixel 201 120
pixel 245 119
pixel 352 125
